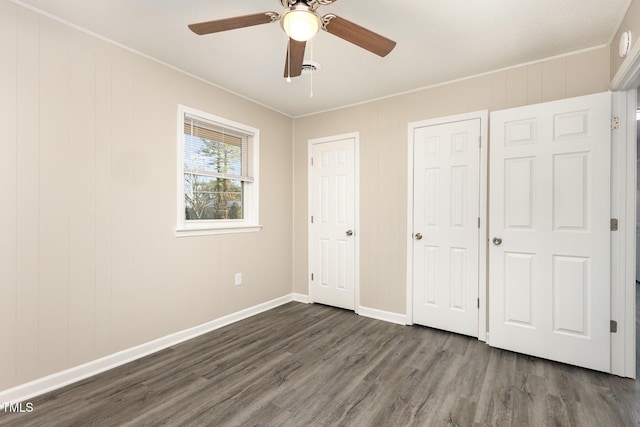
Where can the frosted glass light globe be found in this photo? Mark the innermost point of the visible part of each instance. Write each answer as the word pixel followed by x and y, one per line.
pixel 300 24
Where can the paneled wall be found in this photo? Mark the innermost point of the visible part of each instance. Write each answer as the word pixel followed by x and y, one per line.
pixel 383 157
pixel 89 261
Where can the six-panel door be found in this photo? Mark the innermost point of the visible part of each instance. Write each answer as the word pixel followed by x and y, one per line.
pixel 549 267
pixel 333 227
pixel 446 208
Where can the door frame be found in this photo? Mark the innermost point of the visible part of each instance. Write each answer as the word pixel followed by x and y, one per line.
pixel 356 234
pixel 624 83
pixel 623 241
pixel 483 116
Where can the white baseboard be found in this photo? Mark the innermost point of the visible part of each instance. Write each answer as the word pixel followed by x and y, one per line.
pixel 51 382
pixel 387 316
pixel 60 379
pixel 301 298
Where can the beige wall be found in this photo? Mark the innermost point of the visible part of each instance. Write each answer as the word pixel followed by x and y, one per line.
pixel 383 157
pixel 631 22
pixel 89 262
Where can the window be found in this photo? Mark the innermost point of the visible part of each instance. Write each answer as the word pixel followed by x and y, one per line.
pixel 218 175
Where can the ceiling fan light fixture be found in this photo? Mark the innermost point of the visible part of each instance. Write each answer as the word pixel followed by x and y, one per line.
pixel 300 23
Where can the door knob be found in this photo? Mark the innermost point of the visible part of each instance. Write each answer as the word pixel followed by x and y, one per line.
pixel 418 236
pixel 497 241
pixel 349 232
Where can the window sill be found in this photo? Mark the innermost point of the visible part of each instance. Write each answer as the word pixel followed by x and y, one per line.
pixel 220 229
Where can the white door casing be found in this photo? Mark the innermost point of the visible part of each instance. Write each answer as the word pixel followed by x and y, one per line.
pixel 446 225
pixel 623 207
pixel 549 269
pixel 637 226
pixel 333 225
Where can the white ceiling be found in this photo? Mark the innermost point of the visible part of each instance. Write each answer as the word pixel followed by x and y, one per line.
pixel 438 41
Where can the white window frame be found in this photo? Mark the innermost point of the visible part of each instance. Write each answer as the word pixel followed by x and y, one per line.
pixel 250 208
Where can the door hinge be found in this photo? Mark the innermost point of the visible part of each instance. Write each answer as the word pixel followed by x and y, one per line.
pixel 478 302
pixel 478 222
pixel 613 326
pixel 614 224
pixel 312 277
pixel 311 219
pixel 615 122
pixel 312 161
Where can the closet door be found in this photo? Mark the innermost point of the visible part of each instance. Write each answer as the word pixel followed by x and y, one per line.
pixel 549 270
pixel 446 211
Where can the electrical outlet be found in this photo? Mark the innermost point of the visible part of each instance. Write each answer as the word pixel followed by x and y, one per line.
pixel 238 279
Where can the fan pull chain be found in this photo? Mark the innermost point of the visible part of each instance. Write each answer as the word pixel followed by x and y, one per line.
pixel 289 60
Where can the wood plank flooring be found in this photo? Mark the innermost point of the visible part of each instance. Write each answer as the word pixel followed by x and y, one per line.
pixel 312 365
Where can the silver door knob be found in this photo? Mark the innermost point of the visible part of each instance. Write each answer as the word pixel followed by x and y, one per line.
pixel 497 241
pixel 349 232
pixel 418 236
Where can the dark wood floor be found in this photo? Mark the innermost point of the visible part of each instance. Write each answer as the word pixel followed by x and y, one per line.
pixel 301 365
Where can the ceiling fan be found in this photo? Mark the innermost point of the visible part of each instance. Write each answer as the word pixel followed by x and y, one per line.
pixel 301 22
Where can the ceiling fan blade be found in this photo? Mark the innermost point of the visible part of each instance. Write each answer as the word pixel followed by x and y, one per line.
pixel 295 57
pixel 357 35
pixel 233 23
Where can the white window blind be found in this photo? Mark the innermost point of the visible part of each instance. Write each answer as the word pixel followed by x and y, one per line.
pixel 213 151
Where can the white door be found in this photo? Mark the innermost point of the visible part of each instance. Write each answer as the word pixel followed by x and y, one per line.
pixel 332 228
pixel 446 211
pixel 550 230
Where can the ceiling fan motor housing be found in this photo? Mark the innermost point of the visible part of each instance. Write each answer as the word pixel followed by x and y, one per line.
pixel 313 4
